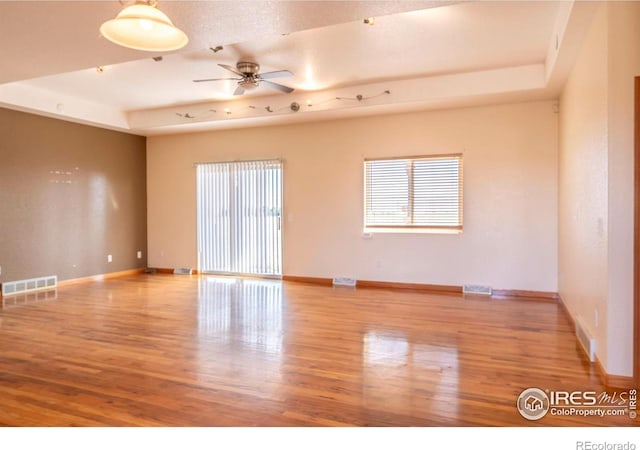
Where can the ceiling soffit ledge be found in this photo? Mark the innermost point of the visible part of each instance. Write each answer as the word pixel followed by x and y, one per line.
pixel 426 91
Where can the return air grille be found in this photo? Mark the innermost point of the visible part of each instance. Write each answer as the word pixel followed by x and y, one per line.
pixel 587 342
pixel 30 285
pixel 344 281
pixel 476 289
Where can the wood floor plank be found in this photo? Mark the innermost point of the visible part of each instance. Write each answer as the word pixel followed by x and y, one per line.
pixel 165 350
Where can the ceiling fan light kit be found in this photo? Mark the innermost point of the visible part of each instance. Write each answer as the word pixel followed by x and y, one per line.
pixel 142 26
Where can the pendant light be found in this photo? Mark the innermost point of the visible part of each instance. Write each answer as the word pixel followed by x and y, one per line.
pixel 142 26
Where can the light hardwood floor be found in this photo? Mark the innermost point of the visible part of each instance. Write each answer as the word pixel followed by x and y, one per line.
pixel 152 350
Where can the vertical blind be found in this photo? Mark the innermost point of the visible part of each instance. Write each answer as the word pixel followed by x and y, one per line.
pixel 239 212
pixel 413 192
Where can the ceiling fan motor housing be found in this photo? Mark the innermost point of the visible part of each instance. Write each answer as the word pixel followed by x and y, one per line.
pixel 248 68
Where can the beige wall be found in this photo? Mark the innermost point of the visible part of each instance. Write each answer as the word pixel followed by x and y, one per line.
pixel 583 180
pixel 510 182
pixel 596 183
pixel 69 195
pixel 624 66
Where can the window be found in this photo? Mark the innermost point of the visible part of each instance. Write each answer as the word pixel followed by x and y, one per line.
pixel 407 193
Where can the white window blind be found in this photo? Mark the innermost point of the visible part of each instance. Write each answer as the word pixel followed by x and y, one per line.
pixel 239 212
pixel 422 192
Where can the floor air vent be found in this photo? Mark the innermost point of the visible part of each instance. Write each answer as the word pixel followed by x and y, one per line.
pixel 476 289
pixel 30 285
pixel 344 281
pixel 182 271
pixel 587 343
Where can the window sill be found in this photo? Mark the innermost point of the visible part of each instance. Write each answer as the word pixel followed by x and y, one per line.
pixel 410 231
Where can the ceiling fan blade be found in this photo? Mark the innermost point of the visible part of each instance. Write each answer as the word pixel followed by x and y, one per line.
pixel 231 69
pixel 275 74
pixel 279 87
pixel 238 91
pixel 215 79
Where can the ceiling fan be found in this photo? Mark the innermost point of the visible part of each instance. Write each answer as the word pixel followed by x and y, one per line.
pixel 251 78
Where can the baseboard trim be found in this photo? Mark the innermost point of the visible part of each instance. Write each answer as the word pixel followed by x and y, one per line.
pixel 613 381
pixel 567 313
pixel 308 280
pixel 101 277
pixel 168 271
pixel 542 296
pixel 434 288
pixel 438 289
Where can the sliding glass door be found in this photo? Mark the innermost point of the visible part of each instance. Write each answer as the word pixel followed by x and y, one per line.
pixel 239 217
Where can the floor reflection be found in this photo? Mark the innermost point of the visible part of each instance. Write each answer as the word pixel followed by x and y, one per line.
pixel 240 328
pixel 409 376
pixel 385 349
pixel 28 298
pixel 241 311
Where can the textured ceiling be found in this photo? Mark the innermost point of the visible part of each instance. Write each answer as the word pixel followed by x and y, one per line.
pixel 45 37
pixel 423 53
